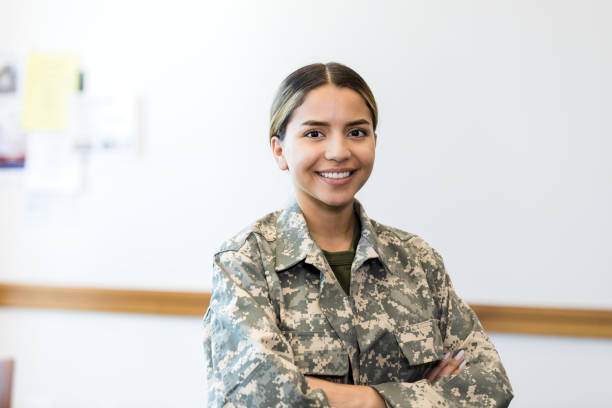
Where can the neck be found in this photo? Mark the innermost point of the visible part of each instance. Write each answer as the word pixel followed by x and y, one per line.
pixel 331 227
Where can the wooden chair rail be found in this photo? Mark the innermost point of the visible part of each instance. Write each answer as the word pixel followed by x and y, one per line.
pixel 109 300
pixel 494 318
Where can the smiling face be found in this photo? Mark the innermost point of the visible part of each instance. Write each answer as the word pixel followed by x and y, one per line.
pixel 328 147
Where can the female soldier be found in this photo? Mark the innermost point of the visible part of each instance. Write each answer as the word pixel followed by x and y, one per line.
pixel 319 305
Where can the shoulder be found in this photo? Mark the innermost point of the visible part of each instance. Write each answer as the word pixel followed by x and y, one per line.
pixel 400 241
pixel 263 229
pixel 411 256
pixel 391 234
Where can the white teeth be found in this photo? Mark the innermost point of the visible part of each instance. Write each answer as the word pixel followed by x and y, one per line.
pixel 336 175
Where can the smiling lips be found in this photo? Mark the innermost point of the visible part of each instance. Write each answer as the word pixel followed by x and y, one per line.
pixel 336 177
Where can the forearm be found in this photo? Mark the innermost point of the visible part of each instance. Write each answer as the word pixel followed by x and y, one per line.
pixel 348 396
pixel 473 387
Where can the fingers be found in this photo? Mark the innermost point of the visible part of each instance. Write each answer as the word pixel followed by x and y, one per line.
pixel 448 366
pixel 453 364
pixel 461 367
pixel 434 371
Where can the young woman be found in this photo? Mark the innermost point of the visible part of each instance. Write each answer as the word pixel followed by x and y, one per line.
pixel 318 305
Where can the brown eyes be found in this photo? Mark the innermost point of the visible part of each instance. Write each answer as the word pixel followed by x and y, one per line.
pixel 357 133
pixel 314 134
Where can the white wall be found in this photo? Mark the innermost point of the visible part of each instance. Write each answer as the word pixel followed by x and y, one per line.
pixel 103 360
pixel 493 141
pixel 556 372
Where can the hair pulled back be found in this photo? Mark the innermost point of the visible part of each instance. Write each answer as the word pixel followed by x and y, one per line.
pixel 293 90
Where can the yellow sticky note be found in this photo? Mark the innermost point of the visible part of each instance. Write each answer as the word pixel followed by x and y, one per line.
pixel 51 82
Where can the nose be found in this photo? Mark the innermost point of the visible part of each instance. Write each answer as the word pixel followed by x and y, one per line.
pixel 337 148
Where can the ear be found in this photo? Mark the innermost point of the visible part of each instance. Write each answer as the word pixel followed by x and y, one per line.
pixel 375 138
pixel 277 151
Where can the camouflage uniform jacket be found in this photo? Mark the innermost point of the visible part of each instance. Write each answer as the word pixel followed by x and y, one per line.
pixel 277 313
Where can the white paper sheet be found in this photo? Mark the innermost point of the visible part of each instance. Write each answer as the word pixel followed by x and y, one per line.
pixel 53 164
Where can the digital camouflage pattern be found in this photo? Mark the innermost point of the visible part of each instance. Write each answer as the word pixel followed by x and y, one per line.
pixel 277 313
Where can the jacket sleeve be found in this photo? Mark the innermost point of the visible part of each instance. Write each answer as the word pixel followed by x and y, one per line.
pixel 249 363
pixel 483 382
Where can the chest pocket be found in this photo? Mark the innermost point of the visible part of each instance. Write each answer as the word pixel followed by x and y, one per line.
pixel 420 343
pixel 318 353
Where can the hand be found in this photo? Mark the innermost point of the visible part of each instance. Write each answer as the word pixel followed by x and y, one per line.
pixel 347 396
pixel 447 366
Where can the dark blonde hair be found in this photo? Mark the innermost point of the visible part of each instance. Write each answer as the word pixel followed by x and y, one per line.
pixel 293 90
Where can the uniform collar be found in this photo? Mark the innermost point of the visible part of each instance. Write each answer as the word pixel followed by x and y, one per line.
pixel 369 245
pixel 294 243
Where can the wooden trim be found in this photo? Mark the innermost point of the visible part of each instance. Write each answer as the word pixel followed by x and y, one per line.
pixel 546 321
pixel 494 318
pixel 109 300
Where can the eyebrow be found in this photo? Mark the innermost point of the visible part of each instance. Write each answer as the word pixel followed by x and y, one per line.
pixel 319 123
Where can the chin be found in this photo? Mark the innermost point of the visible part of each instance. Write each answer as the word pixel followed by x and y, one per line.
pixel 336 201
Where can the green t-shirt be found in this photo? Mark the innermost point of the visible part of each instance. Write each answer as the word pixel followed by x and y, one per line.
pixel 341 261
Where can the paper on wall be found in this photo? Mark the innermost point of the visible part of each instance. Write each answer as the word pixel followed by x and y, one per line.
pixel 12 138
pixel 51 81
pixel 107 122
pixel 53 164
pixel 8 76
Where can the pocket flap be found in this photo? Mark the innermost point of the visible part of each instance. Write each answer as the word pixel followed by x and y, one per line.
pixel 420 342
pixel 318 353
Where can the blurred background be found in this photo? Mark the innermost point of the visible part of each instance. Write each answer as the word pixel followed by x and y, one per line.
pixel 494 146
